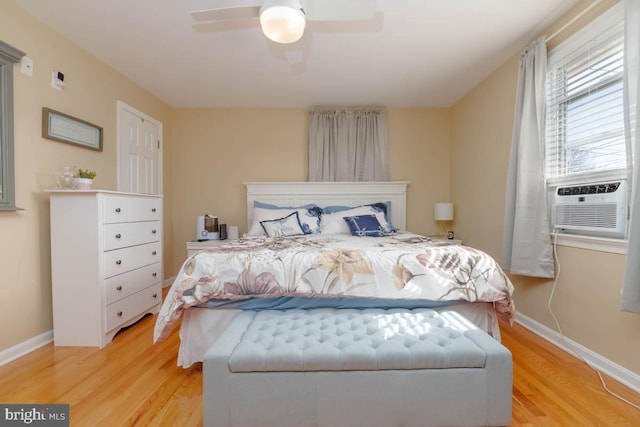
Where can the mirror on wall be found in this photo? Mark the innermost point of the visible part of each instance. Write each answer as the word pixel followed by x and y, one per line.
pixel 9 55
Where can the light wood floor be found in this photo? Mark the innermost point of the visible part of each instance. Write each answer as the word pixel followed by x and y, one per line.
pixel 133 382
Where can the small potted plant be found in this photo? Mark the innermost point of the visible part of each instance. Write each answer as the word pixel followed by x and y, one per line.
pixel 84 179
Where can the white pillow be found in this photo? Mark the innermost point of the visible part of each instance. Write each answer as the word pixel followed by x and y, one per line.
pixel 287 226
pixel 334 223
pixel 308 221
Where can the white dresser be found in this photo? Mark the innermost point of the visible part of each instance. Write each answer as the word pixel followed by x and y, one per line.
pixel 106 263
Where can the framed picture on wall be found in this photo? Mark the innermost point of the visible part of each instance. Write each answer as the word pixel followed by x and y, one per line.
pixel 62 127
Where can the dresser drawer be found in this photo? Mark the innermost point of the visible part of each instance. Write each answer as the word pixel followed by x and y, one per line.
pixel 127 308
pixel 120 261
pixel 123 285
pixel 131 209
pixel 130 234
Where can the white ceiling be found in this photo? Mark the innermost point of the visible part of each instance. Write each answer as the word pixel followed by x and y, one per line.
pixel 413 53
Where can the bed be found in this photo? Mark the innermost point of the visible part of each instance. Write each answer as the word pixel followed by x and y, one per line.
pixel 338 245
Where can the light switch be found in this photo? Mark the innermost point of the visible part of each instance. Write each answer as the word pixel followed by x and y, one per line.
pixel 57 80
pixel 26 66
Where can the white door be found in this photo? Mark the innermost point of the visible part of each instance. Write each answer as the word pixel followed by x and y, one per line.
pixel 139 152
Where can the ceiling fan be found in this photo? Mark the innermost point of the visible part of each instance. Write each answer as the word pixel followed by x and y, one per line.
pixel 284 21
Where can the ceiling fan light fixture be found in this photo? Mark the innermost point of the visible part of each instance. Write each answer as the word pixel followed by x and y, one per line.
pixel 282 21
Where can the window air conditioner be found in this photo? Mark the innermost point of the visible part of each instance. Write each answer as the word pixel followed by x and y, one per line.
pixel 598 209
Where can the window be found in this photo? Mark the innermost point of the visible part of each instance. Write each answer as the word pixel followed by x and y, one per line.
pixel 585 124
pixel 8 56
pixel 585 140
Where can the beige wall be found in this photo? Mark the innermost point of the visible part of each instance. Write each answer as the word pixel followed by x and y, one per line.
pixel 90 93
pixel 587 298
pixel 419 153
pixel 480 145
pixel 217 150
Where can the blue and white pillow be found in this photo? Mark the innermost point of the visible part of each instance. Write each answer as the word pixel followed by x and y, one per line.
pixel 287 226
pixel 309 217
pixel 364 225
pixel 333 223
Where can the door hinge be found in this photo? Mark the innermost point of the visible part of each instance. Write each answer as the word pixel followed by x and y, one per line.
pixel 158 144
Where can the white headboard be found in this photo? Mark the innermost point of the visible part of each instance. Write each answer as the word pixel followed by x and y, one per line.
pixel 331 193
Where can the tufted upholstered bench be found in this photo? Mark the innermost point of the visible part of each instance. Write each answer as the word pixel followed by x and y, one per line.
pixel 340 367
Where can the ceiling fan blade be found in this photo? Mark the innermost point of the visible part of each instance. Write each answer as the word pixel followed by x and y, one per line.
pixel 224 26
pixel 339 10
pixel 226 14
pixel 373 25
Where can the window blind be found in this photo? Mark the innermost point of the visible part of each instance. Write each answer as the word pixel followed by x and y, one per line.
pixel 584 118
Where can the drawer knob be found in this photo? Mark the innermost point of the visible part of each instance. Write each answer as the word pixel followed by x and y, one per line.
pixel 118 236
pixel 117 210
pixel 119 314
pixel 153 209
pixel 155 296
pixel 118 262
pixel 119 288
pixel 153 253
pixel 153 231
pixel 154 274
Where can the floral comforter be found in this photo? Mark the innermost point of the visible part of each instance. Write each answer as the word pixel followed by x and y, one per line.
pixel 402 265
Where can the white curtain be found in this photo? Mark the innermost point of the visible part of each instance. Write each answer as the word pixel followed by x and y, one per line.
pixel 631 288
pixel 527 248
pixel 348 145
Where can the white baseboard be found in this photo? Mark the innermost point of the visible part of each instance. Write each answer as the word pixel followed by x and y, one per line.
pixel 604 365
pixel 25 347
pixel 35 343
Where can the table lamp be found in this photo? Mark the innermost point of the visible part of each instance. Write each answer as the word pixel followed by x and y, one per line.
pixel 443 214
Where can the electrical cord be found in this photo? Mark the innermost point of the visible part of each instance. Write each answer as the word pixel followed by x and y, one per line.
pixel 562 337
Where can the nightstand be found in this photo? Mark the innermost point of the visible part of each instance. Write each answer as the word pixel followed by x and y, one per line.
pixel 445 240
pixel 195 246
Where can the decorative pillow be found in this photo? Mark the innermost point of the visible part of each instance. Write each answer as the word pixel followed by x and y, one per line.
pixel 287 226
pixel 334 223
pixel 384 207
pixel 364 225
pixel 309 218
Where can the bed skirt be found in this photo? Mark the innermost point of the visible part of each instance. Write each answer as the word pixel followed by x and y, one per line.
pixel 202 326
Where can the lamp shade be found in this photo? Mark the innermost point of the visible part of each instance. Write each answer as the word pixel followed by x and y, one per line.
pixel 282 21
pixel 443 212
